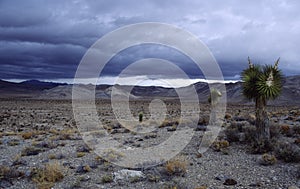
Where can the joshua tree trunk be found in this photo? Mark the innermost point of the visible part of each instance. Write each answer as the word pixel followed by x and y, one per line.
pixel 262 121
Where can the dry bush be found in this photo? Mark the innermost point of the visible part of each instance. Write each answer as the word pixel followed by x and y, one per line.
pixel 177 166
pixel 46 177
pixel 7 173
pixel 268 159
pixel 28 135
pixel 204 120
pixel 167 123
pixel 31 151
pixel 287 152
pixel 80 154
pixel 220 145
pixel 232 134
pixel 107 178
pixel 112 155
pixel 296 130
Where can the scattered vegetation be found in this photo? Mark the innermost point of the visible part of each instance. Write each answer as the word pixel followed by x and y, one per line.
pixel 13 142
pixel 232 133
pixel 287 152
pixel 268 159
pixel 8 173
pixel 201 187
pixel 27 135
pixel 80 154
pixel 221 145
pixel 177 166
pixel 153 177
pixel 31 151
pixel 168 123
pixel 112 155
pixel 107 178
pixel 46 177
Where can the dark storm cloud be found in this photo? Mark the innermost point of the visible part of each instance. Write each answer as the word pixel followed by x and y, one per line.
pixel 47 39
pixel 136 53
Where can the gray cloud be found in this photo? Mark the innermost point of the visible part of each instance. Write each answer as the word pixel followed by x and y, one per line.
pixel 47 39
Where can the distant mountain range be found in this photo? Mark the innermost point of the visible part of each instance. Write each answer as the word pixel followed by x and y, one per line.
pixel 35 89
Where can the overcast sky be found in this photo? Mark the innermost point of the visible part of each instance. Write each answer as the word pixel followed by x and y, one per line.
pixel 47 39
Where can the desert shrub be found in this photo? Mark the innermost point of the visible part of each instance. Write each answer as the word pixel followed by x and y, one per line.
pixel 153 177
pixel 296 130
pixel 80 154
pixel 274 130
pixel 176 166
pixel 228 116
pixel 46 176
pixel 112 155
pixel 13 142
pixel 107 178
pixel 83 169
pixel 204 120
pixel 31 151
pixel 7 173
pixel 28 135
pixel 232 134
pixel 250 134
pixel 239 125
pixel 287 152
pixel 259 146
pixel 167 123
pixel 286 130
pixel 67 134
pixel 201 187
pixel 220 145
pixel 56 156
pixel 268 159
pixel 52 156
pixel 174 184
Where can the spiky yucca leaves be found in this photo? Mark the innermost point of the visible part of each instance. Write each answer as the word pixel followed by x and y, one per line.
pixel 261 84
pixel 250 79
pixel 269 84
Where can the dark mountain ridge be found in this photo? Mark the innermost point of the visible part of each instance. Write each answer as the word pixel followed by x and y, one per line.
pixel 49 90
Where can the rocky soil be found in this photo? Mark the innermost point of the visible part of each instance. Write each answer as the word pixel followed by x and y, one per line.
pixel 41 147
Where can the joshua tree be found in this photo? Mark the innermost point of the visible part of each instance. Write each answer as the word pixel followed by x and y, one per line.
pixel 213 99
pixel 214 96
pixel 261 83
pixel 141 116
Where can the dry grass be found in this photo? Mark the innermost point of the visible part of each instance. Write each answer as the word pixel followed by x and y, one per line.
pixel 10 133
pixel 220 145
pixel 112 155
pixel 201 187
pixel 28 135
pixel 13 142
pixel 176 166
pixel 46 177
pixel 52 156
pixel 80 154
pixel 268 159
pixel 107 178
pixel 7 173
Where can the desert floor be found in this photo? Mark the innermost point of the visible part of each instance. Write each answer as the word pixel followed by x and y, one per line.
pixel 41 147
